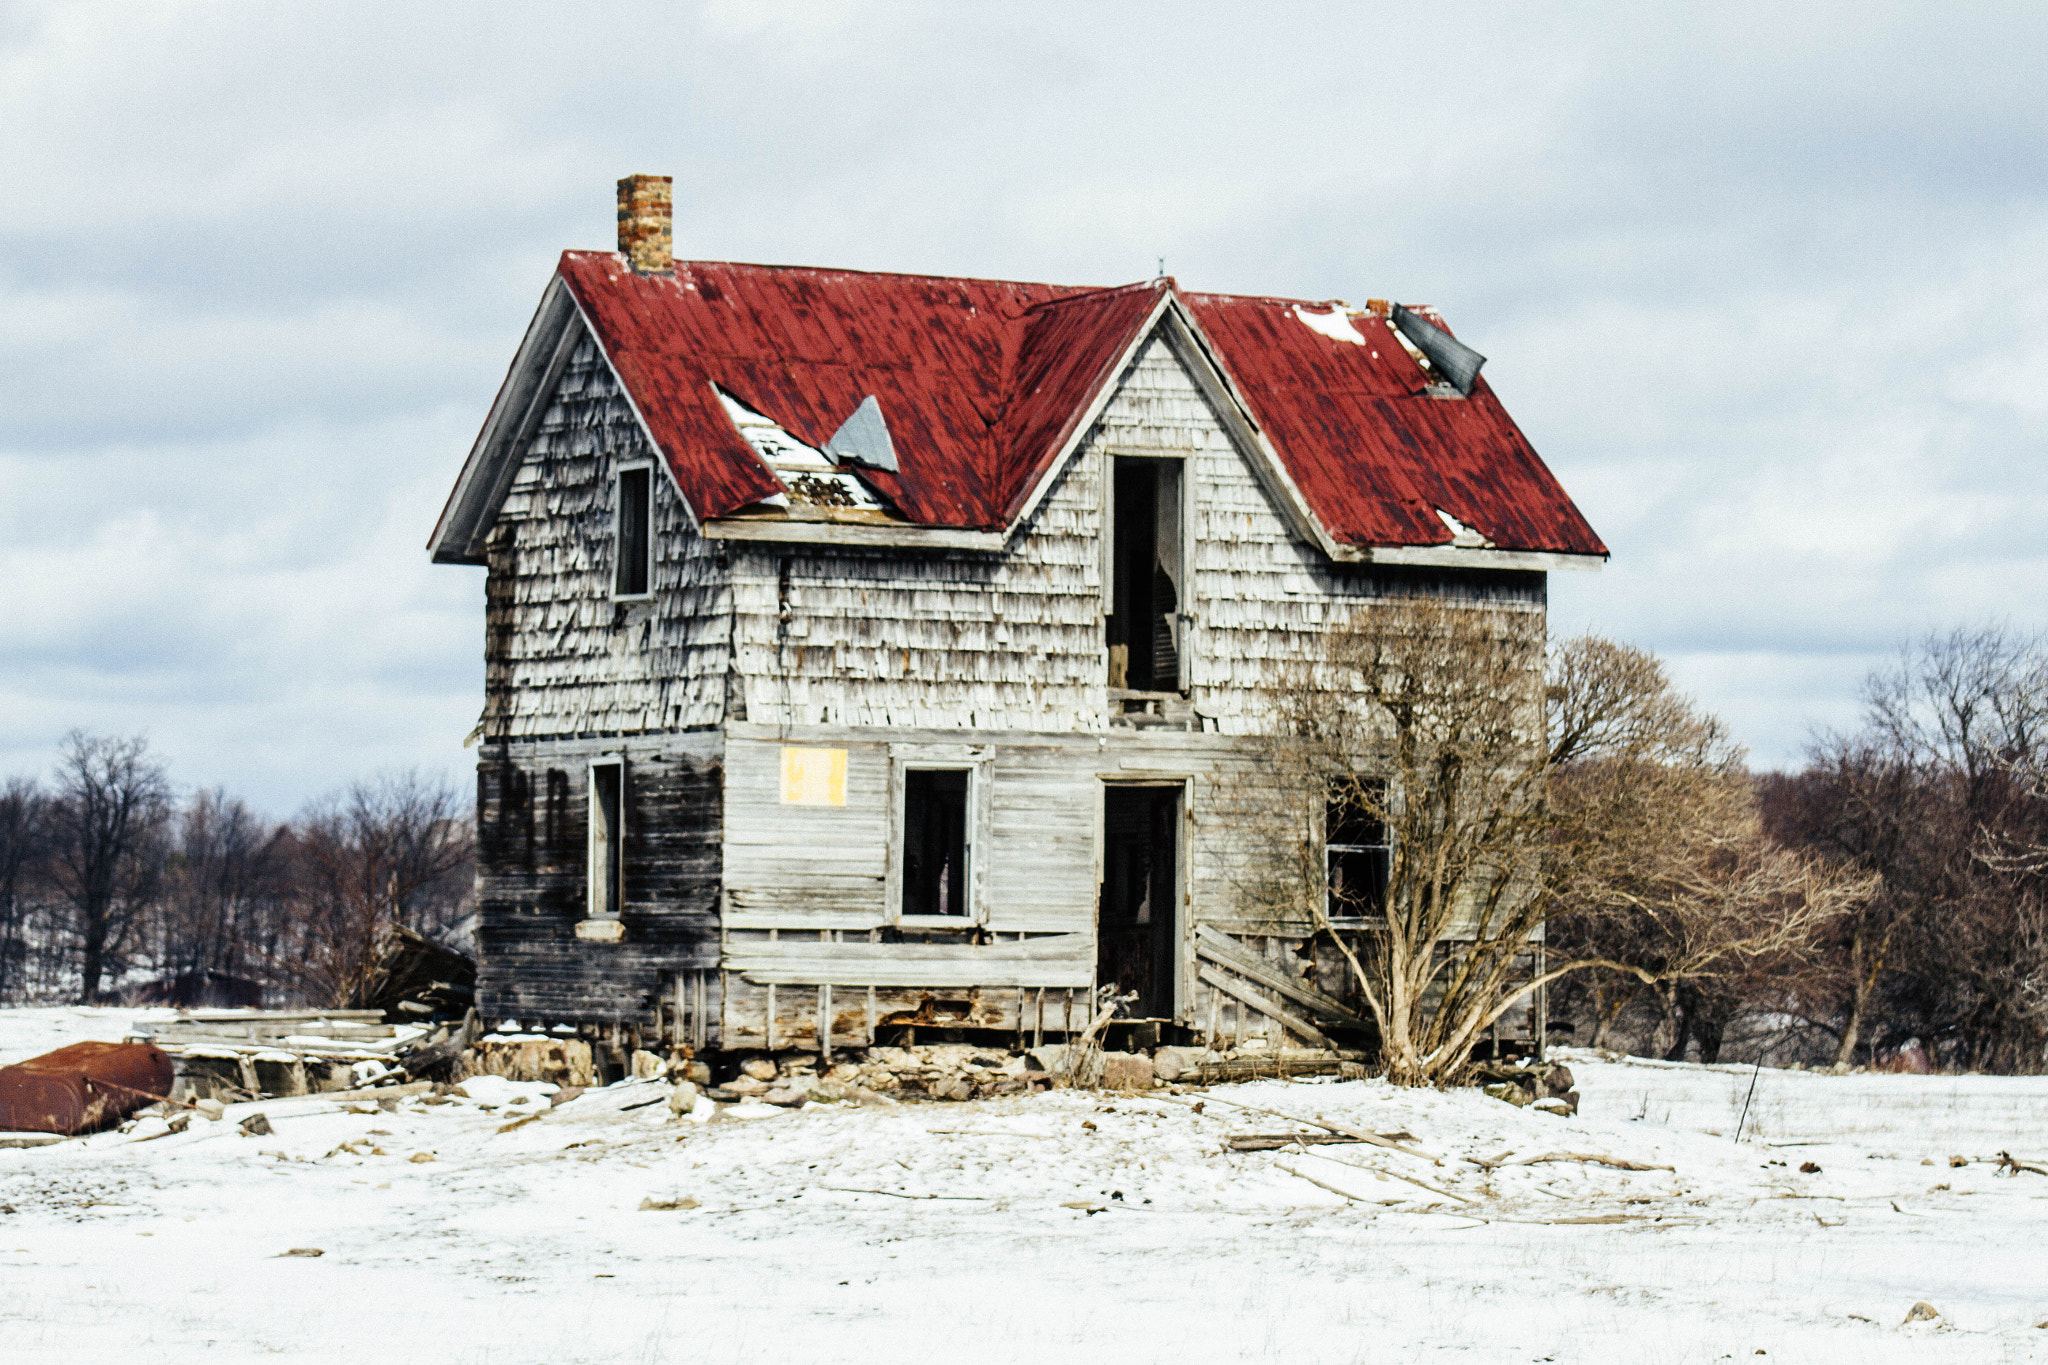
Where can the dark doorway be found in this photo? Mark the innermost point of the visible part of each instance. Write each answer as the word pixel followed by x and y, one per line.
pixel 1144 639
pixel 1138 923
pixel 935 841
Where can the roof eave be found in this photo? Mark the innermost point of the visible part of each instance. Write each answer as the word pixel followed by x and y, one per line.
pixel 492 463
pixel 790 532
pixel 1469 557
pixel 1083 421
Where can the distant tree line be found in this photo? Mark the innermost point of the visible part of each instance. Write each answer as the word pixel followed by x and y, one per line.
pixel 114 887
pixel 1940 800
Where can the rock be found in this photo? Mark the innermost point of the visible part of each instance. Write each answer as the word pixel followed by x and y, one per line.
pixel 1126 1071
pixel 1959 1161
pixel 420 1158
pixel 1809 1168
pixel 257 1126
pixel 683 1098
pixel 562 1096
pixel 559 1061
pixel 209 1109
pixel 747 1087
pixel 986 1062
pixel 1508 1092
pixel 1572 1098
pixel 872 1099
pixel 648 1066
pixel 301 1251
pixel 1047 1058
pixel 1921 1312
pixel 787 1097
pixel 952 1088
pixel 1559 1081
pixel 758 1068
pixel 1553 1104
pixel 705 1110
pixel 681 1201
pixel 697 1073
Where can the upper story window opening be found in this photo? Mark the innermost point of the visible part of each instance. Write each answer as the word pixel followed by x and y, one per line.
pixel 633 538
pixel 1145 634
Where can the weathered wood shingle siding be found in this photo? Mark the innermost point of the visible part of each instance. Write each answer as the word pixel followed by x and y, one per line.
pixel 1014 641
pixel 561 657
pixel 533 826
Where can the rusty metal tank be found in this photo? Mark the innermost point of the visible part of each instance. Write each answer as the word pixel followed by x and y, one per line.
pixel 83 1087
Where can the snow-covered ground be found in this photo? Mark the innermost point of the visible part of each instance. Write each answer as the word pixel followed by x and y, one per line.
pixel 1058 1226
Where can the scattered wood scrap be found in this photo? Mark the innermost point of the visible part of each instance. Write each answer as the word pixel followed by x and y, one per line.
pixel 1589 1158
pixel 1319 1184
pixel 1393 1142
pixel 1266 1142
pixel 2010 1165
pixel 1386 1174
pixel 898 1194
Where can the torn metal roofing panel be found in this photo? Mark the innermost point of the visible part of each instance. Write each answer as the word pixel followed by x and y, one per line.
pixel 977 388
pixel 864 438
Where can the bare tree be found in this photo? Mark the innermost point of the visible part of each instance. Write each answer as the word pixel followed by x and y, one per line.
pixel 1435 722
pixel 24 845
pixel 218 917
pixel 395 851
pixel 107 827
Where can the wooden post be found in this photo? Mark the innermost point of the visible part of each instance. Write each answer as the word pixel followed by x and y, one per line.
pixel 825 1027
pixel 1038 1027
pixel 768 1024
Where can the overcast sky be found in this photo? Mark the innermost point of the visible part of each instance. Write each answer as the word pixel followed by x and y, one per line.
pixel 1764 284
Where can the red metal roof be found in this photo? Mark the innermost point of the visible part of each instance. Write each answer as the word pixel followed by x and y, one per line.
pixel 983 381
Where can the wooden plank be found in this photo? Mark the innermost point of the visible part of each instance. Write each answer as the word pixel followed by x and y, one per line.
pixel 1246 995
pixel 1225 952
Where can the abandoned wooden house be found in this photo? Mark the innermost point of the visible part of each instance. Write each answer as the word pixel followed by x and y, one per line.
pixel 870 653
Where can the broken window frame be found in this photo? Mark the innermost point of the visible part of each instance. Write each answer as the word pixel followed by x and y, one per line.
pixel 1172 551
pixel 604 873
pixel 623 587
pixel 1337 796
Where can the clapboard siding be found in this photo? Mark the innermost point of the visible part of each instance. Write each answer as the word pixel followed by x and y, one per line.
pixel 533 828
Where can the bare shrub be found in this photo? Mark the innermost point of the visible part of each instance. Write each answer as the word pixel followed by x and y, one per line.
pixel 1598 798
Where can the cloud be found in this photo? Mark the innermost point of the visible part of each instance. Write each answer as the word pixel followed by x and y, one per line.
pixel 1766 287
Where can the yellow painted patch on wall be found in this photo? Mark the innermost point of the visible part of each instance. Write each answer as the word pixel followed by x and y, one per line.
pixel 813 777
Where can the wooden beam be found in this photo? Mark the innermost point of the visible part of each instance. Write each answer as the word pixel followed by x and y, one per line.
pixel 1245 994
pixel 1225 952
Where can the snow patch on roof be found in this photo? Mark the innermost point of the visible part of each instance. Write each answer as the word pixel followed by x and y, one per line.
pixel 1335 324
pixel 1463 536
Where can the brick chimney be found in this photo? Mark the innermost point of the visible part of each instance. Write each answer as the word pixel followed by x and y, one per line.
pixel 646 217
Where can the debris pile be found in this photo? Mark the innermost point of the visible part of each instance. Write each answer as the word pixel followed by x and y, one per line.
pixel 414 978
pixel 1543 1085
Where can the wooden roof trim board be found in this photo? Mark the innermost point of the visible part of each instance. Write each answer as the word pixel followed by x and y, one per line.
pixel 1084 418
pixel 487 473
pixel 1199 355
